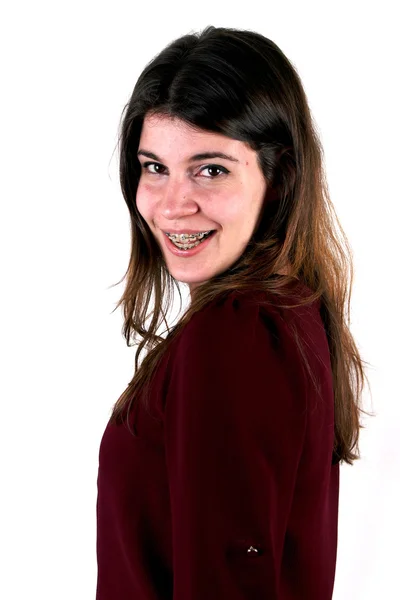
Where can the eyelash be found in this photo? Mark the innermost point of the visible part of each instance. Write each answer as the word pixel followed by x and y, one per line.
pixel 219 167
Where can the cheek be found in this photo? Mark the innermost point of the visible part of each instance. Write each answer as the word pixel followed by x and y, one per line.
pixel 233 211
pixel 144 203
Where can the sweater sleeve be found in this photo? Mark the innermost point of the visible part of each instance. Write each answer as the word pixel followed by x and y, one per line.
pixel 234 425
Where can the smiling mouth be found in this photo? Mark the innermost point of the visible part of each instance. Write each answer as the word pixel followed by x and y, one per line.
pixel 191 241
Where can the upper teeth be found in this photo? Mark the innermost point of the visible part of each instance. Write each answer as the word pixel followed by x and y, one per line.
pixel 184 236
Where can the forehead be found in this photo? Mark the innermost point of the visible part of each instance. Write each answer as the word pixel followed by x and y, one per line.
pixel 163 134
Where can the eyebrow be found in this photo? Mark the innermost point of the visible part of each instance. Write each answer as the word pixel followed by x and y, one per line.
pixel 200 156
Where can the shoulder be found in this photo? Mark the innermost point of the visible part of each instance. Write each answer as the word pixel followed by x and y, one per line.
pixel 242 323
pixel 221 314
pixel 240 356
pixel 243 309
pixel 252 326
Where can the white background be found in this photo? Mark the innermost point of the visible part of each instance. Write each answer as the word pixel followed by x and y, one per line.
pixel 67 70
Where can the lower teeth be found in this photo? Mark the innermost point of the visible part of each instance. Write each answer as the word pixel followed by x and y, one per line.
pixel 185 246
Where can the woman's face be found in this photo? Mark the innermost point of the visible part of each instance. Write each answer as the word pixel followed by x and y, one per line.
pixel 176 193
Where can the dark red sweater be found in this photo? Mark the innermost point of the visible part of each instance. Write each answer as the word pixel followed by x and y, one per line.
pixel 229 491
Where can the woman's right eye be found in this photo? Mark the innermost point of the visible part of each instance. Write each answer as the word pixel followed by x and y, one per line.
pixel 148 164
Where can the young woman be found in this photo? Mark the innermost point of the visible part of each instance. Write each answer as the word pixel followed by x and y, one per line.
pixel 219 468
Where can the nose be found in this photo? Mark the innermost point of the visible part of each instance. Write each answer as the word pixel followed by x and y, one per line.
pixel 177 200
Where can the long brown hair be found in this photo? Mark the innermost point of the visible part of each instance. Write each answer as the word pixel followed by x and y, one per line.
pixel 240 84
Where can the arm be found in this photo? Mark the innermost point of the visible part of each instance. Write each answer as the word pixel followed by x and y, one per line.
pixel 235 420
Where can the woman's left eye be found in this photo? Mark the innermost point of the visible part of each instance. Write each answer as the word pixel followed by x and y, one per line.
pixel 217 167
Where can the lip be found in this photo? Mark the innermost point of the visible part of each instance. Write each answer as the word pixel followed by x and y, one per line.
pixel 187 253
pixel 179 231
